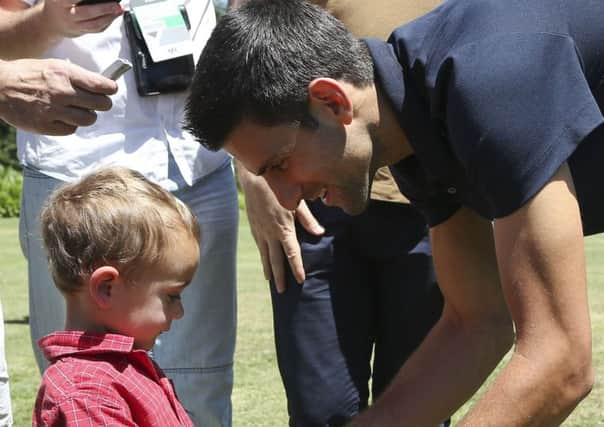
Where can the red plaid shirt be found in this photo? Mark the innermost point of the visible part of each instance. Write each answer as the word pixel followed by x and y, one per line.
pixel 99 380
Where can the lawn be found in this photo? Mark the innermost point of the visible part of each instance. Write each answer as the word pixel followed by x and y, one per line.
pixel 258 398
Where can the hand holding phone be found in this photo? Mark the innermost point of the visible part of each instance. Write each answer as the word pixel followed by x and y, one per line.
pixel 65 18
pixel 66 97
pixel 87 2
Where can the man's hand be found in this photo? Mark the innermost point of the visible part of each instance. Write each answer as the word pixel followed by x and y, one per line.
pixel 51 97
pixel 53 20
pixel 67 19
pixel 274 230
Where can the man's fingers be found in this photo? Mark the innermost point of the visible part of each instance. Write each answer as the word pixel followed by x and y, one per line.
pixel 308 220
pixel 90 101
pixel 264 257
pixel 59 121
pixel 53 128
pixel 92 82
pixel 76 116
pixel 92 12
pixel 96 25
pixel 277 265
pixel 292 251
pixel 57 128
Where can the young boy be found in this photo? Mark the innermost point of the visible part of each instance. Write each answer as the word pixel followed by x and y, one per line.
pixel 121 250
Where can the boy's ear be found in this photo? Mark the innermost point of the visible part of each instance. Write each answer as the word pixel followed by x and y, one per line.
pixel 101 285
pixel 328 99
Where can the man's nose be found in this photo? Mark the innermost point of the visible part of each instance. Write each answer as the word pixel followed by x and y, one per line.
pixel 288 193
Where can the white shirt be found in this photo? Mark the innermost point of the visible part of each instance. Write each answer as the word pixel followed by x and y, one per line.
pixel 138 132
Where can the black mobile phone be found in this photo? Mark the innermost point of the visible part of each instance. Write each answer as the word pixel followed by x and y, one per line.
pixel 88 2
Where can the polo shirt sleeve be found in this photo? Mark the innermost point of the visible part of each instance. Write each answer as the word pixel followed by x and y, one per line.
pixel 517 106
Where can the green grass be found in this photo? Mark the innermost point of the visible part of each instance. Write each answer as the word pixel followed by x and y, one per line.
pixel 258 398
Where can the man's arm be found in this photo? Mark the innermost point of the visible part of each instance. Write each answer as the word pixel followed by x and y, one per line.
pixel 51 97
pixel 466 344
pixel 541 259
pixel 29 31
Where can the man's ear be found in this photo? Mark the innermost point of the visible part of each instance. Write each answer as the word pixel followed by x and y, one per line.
pixel 101 285
pixel 328 98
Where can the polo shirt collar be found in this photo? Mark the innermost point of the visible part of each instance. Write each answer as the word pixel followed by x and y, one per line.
pixel 65 343
pixel 402 87
pixel 388 72
pixel 396 83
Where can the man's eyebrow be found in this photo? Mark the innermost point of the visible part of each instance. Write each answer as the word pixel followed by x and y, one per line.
pixel 271 161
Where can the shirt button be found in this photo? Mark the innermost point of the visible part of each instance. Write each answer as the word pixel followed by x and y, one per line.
pixel 451 190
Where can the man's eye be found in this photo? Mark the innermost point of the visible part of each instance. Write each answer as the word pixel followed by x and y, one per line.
pixel 281 166
pixel 174 297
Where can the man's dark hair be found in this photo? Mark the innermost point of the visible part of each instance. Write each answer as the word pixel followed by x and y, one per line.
pixel 259 61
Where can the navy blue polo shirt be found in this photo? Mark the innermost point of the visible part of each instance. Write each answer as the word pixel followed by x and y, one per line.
pixel 494 96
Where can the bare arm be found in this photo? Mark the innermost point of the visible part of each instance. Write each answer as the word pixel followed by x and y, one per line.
pixel 29 31
pixel 51 96
pixel 541 258
pixel 273 228
pixel 465 345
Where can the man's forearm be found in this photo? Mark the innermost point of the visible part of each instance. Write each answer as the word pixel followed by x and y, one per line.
pixel 465 345
pixel 18 38
pixel 521 394
pixel 542 267
pixel 445 371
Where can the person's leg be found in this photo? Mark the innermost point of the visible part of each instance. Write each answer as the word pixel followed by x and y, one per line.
pixel 6 413
pixel 409 305
pixel 408 300
pixel 323 354
pixel 46 305
pixel 198 351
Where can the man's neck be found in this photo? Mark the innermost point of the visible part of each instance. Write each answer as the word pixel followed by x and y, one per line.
pixel 390 144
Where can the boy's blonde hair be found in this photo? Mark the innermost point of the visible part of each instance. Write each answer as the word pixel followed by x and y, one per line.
pixel 116 217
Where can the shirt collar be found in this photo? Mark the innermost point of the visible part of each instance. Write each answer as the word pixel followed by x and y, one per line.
pixel 403 87
pixel 388 72
pixel 64 343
